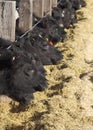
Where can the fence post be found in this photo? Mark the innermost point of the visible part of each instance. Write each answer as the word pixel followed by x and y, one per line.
pixel 25 15
pixel 38 8
pixel 54 3
pixel 7 20
pixel 48 6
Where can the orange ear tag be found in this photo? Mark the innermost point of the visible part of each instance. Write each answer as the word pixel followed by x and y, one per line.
pixel 51 43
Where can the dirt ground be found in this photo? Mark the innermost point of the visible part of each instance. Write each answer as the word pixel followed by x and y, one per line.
pixel 67 103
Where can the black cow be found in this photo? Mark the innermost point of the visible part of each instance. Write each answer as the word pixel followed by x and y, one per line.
pixel 22 74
